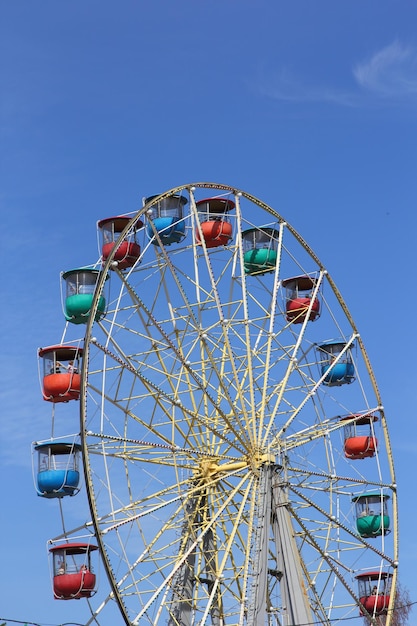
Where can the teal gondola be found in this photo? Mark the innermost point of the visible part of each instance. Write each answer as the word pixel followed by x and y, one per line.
pixel 80 289
pixel 260 249
pixel 372 519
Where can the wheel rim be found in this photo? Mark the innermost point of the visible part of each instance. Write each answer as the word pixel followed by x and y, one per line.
pixel 204 413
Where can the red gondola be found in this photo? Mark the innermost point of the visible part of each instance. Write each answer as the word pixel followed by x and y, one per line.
pixel 374 592
pixel 128 251
pixel 298 299
pixel 215 227
pixel 61 379
pixel 360 442
pixel 73 577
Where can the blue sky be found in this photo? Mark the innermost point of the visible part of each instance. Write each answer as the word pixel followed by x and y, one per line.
pixel 310 106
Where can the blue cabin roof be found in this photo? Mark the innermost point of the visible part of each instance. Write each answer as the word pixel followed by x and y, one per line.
pixel 60 447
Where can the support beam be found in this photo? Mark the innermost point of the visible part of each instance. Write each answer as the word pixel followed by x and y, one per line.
pixel 258 596
pixel 184 580
pixel 295 603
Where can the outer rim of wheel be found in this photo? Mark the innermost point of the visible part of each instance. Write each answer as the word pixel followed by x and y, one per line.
pixel 89 340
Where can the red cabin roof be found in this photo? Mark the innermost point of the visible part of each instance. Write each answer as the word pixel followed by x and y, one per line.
pixel 360 419
pixel 303 282
pixel 120 222
pixel 217 205
pixel 74 548
pixel 374 575
pixel 64 353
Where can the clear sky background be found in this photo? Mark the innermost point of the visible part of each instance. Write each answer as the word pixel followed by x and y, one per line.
pixel 310 105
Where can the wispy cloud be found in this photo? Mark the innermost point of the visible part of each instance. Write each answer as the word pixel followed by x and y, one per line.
pixel 390 73
pixel 285 86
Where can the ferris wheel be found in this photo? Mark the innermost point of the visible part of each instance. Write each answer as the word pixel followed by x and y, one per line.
pixel 236 454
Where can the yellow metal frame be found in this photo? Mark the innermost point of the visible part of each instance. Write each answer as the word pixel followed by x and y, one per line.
pixel 193 383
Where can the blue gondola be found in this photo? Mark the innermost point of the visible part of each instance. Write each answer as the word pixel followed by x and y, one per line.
pixel 58 468
pixel 166 219
pixel 338 370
